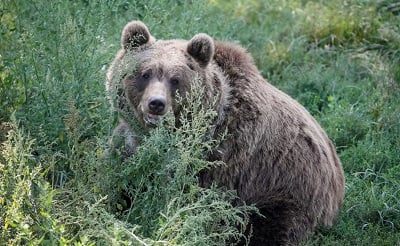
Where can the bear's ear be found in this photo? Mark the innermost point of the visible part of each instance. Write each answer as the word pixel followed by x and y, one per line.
pixel 201 48
pixel 135 34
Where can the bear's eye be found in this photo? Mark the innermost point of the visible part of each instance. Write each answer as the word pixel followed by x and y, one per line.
pixel 146 75
pixel 174 81
pixel 190 66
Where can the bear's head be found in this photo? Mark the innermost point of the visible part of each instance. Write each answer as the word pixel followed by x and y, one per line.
pixel 156 72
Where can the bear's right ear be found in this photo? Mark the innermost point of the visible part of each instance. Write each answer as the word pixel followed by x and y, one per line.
pixel 135 34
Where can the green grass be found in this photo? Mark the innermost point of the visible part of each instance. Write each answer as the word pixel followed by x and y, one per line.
pixel 341 60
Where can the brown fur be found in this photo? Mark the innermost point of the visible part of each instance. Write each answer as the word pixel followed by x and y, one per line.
pixel 277 156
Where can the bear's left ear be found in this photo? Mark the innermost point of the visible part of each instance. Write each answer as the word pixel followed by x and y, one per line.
pixel 135 34
pixel 201 48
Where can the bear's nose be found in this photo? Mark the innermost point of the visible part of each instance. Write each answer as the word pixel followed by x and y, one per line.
pixel 156 105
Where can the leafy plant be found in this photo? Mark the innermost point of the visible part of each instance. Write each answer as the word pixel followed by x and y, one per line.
pixel 25 196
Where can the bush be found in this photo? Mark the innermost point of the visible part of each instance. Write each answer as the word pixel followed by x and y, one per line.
pixel 153 197
pixel 25 196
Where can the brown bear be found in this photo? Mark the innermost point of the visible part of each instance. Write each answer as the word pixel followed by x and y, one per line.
pixel 277 156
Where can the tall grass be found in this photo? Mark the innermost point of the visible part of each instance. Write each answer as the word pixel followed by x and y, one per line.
pixel 339 59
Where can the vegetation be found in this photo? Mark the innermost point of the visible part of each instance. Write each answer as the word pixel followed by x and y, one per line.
pixel 340 59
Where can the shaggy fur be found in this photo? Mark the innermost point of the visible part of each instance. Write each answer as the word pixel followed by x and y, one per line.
pixel 277 156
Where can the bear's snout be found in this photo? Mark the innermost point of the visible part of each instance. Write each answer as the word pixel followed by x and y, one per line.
pixel 156 105
pixel 155 102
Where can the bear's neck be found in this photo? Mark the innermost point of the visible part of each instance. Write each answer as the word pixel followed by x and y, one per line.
pixel 220 93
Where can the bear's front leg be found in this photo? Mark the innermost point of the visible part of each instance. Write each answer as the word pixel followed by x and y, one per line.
pixel 123 139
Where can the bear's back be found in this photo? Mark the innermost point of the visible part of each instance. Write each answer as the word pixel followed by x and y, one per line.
pixel 281 135
pixel 233 60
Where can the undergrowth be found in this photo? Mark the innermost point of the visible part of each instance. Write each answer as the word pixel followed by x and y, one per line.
pixel 151 198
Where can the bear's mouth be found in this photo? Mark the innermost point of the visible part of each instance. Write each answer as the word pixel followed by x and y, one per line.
pixel 151 119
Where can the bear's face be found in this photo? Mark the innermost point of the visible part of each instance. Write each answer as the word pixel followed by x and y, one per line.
pixel 162 71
